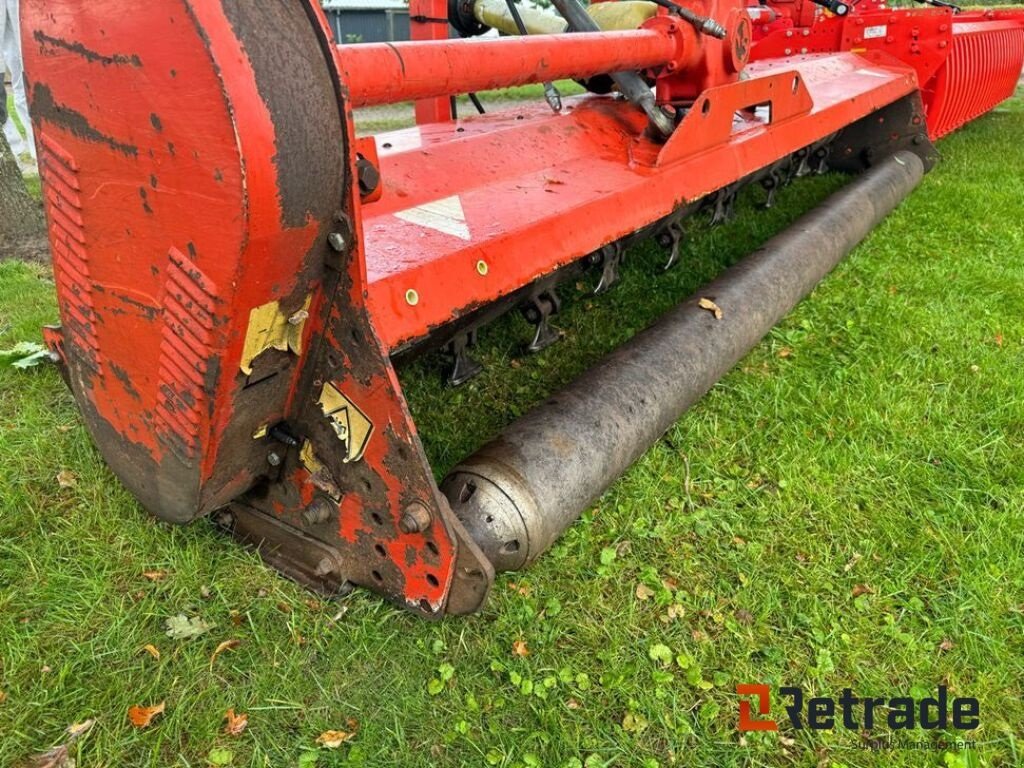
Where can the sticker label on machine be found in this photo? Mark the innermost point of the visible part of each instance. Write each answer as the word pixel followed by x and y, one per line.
pixel 871 33
pixel 447 216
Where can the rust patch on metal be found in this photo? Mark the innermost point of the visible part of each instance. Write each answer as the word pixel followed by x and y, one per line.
pixel 126 381
pixel 282 49
pixel 93 57
pixel 45 107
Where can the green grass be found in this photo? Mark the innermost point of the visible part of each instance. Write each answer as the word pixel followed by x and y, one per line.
pixel 874 438
pixel 394 116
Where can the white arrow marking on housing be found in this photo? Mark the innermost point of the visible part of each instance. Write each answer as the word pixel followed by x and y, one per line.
pixel 444 215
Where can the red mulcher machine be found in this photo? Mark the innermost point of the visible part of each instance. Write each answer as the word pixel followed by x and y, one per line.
pixel 237 271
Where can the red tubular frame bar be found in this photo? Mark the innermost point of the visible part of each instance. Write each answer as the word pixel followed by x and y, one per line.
pixel 385 73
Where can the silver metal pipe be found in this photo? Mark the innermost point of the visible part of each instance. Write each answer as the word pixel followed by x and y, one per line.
pixel 519 493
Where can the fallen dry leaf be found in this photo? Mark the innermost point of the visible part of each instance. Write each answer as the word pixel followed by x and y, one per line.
pixel 152 650
pixel 235 723
pixel 675 611
pixel 572 703
pixel 519 648
pixel 999 340
pixel 710 306
pixel 67 479
pixel 334 739
pixel 862 589
pixel 227 645
pixel 744 616
pixel 60 756
pixel 154 575
pixel 643 592
pixel 785 352
pixel 3 697
pixel 946 645
pixel 181 627
pixel 80 729
pixel 853 561
pixel 141 717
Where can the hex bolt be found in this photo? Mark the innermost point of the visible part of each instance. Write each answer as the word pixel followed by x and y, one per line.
pixel 369 176
pixel 337 241
pixel 320 511
pixel 415 519
pixel 274 459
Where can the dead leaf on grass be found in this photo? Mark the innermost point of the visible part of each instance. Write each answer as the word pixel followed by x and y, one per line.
pixel 334 739
pixel 154 575
pixel 227 645
pixel 142 717
pixel 235 723
pixel 643 592
pixel 519 648
pixel 60 756
pixel 152 650
pixel 862 589
pixel 946 645
pixel 523 590
pixel 67 479
pixel 181 627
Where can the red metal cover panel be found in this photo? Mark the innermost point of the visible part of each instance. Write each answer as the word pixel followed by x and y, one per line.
pixel 982 70
pixel 474 210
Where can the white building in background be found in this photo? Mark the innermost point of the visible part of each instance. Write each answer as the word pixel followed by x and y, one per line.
pixel 368 21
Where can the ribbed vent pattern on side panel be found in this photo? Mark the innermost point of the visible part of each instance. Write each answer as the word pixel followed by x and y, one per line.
pixel 185 350
pixel 62 199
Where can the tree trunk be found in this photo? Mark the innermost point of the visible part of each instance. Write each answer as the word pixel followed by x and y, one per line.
pixel 20 215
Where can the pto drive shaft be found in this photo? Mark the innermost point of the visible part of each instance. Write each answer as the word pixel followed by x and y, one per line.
pixel 518 494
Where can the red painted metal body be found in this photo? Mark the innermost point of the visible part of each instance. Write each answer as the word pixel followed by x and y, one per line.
pixel 965 63
pixel 386 73
pixel 233 284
